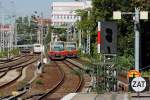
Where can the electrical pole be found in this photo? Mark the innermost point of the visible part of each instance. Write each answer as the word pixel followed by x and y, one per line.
pixel 137 36
pixel 41 38
pixel 88 38
pixel 0 28
pixel 136 18
pixel 79 34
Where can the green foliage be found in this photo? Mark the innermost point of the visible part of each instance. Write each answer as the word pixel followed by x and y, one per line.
pixel 124 62
pixel 23 25
pixel 47 38
pixel 27 28
pixel 146 73
pixel 15 52
pixel 103 11
pixel 3 54
pixel 39 82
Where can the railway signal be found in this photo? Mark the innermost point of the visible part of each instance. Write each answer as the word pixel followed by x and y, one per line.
pixel 108 38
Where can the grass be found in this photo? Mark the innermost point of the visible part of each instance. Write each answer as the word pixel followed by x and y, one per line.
pixel 21 84
pixel 39 82
pixel 1 93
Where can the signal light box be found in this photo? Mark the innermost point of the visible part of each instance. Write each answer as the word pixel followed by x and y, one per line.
pixel 108 37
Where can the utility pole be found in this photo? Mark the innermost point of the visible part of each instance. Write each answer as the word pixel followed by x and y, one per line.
pixel 42 37
pixel 88 50
pixel 79 34
pixel 137 16
pixel 3 39
pixel 41 40
pixel 0 27
pixel 137 36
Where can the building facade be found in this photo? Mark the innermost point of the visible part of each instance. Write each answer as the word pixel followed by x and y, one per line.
pixel 63 13
pixel 7 37
pixel 43 29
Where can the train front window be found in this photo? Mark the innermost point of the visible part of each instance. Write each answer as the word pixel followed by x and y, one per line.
pixel 57 48
pixel 37 45
pixel 70 48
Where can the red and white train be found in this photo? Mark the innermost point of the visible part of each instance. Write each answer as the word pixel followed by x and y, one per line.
pixel 71 49
pixel 57 50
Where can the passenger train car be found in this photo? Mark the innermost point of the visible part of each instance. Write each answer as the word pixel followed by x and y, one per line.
pixel 57 51
pixel 71 49
pixel 37 48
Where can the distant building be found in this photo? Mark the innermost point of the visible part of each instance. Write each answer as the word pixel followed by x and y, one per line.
pixel 7 36
pixel 63 13
pixel 45 23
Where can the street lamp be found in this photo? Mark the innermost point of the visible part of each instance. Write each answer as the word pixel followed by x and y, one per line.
pixel 137 16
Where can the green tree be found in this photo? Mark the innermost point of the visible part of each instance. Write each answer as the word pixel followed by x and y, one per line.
pixel 26 25
pixel 19 22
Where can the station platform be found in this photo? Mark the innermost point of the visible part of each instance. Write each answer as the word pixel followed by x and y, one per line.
pixel 106 96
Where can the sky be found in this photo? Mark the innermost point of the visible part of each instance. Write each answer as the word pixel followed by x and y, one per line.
pixel 28 7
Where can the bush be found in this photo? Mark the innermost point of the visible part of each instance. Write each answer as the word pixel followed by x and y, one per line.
pixel 3 54
pixel 124 62
pixel 146 73
pixel 14 52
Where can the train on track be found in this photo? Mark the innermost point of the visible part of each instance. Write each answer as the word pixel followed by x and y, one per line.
pixel 37 48
pixel 57 50
pixel 60 50
pixel 71 49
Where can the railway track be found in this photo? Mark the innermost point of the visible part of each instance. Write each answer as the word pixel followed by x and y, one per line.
pixel 14 61
pixel 67 86
pixel 54 85
pixel 64 85
pixel 18 67
pixel 5 68
pixel 15 64
pixel 11 60
pixel 75 68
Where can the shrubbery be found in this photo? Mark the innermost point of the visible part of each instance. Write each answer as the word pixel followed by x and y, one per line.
pixel 13 52
pixel 124 62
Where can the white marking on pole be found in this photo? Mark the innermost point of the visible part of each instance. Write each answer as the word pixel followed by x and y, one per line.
pixel 98 48
pixel 99 26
